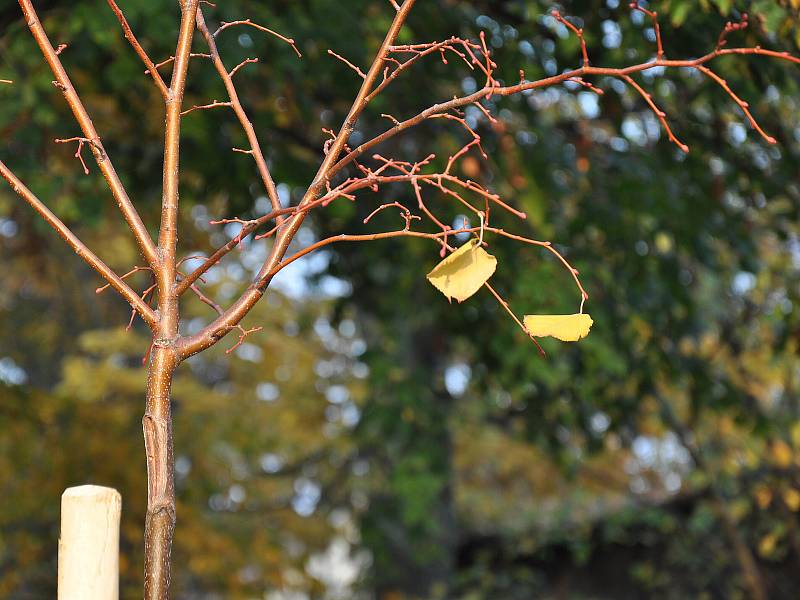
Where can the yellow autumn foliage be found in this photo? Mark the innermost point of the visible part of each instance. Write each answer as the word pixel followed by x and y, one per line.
pixel 567 328
pixel 782 454
pixel 791 498
pixel 464 272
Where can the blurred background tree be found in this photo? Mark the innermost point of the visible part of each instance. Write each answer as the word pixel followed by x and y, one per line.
pixel 386 444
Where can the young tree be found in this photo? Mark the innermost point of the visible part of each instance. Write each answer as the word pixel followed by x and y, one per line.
pixel 343 173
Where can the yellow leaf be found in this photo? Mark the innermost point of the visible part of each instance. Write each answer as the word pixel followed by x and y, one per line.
pixel 792 499
pixel 767 544
pixel 763 496
pixel 567 328
pixel 463 273
pixel 782 454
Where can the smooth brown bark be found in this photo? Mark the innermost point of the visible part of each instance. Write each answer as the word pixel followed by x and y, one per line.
pixel 157 421
pixel 157 427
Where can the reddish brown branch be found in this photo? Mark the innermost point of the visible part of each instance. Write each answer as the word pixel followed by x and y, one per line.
pixel 134 270
pixel 64 84
pixel 224 25
pixel 206 300
pixel 730 28
pixel 243 334
pixel 418 51
pixel 587 85
pixel 162 87
pixel 437 236
pixel 246 61
pixel 515 318
pixel 78 153
pixel 656 27
pixel 255 146
pixel 348 63
pixel 486 92
pixel 220 253
pixel 171 59
pixel 213 104
pixel 662 116
pixel 577 31
pixel 78 246
pixel 145 294
pixel 742 104
pixel 406 214
pixel 213 332
pixel 412 176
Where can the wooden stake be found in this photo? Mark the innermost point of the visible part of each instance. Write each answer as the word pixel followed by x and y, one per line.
pixel 88 550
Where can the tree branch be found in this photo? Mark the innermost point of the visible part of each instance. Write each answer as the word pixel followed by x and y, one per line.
pixel 581 72
pixel 223 26
pixel 235 103
pixel 216 257
pixel 126 28
pixel 220 327
pixel 166 275
pixel 368 237
pixel 64 84
pixel 79 247
pixel 479 57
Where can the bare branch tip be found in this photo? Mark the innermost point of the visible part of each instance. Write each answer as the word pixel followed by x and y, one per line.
pixel 348 63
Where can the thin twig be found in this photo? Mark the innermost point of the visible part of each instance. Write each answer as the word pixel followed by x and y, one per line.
pixel 78 246
pixel 662 116
pixel 64 84
pixel 235 313
pixel 238 109
pixel 507 308
pixel 126 28
pixel 213 104
pixel 224 25
pixel 348 63
pixel 581 72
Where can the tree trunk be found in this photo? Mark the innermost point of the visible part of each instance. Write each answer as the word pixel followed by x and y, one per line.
pixel 157 426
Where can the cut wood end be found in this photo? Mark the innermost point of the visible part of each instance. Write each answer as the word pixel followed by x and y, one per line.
pixel 83 491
